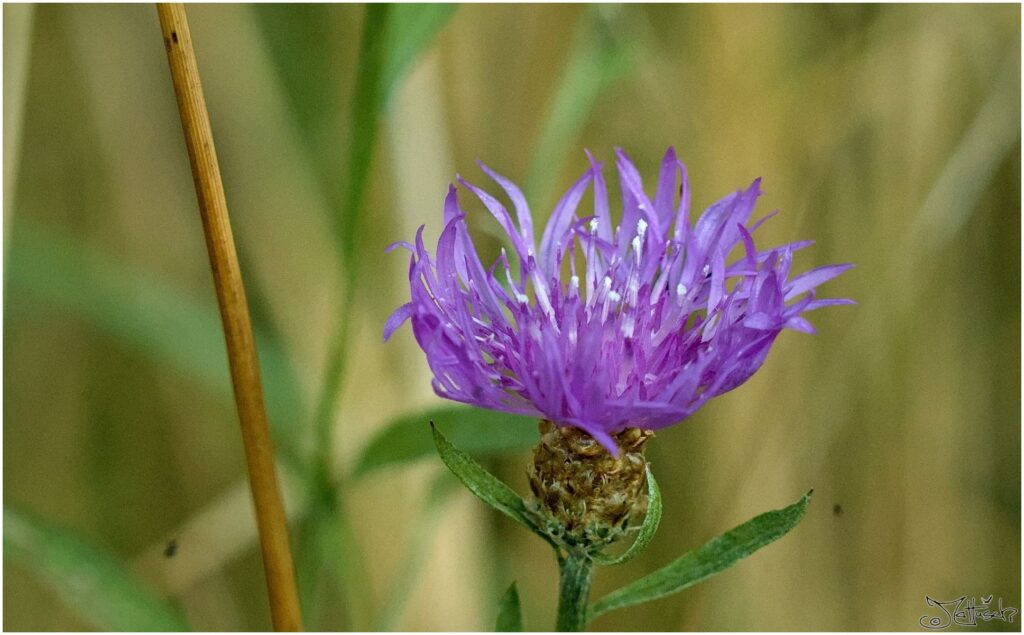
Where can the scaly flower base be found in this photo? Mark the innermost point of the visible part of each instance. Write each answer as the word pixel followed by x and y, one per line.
pixel 585 498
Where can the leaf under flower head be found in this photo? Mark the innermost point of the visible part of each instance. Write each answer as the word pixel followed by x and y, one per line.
pixel 655 324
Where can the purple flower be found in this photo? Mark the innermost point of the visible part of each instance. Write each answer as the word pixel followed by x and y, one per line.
pixel 605 327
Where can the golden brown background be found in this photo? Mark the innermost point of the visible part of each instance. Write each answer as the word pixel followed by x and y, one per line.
pixel 889 134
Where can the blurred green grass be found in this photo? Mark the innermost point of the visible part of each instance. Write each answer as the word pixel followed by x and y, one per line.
pixel 888 133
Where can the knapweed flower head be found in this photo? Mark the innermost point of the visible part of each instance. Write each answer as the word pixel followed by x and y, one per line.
pixel 601 326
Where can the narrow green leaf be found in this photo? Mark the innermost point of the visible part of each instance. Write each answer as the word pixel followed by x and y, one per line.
pixel 17 31
pixel 600 54
pixel 413 27
pixel 366 107
pixel 142 310
pixel 383 56
pixel 647 530
pixel 475 430
pixel 393 36
pixel 510 613
pixel 99 587
pixel 991 137
pixel 716 555
pixel 298 38
pixel 482 483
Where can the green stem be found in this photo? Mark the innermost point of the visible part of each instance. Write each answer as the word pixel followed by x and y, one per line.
pixel 325 484
pixel 574 575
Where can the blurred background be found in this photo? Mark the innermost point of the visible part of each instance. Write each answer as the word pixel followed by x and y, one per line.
pixel 889 134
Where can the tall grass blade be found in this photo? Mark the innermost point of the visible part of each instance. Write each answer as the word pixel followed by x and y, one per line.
pixel 144 312
pixel 413 28
pixel 598 57
pixel 93 582
pixel 377 65
pixel 17 46
pixel 992 135
pixel 417 551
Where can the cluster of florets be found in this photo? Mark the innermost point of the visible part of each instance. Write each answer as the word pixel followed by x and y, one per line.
pixel 605 327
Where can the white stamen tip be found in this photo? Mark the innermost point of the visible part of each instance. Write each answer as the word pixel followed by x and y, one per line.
pixel 522 298
pixel 606 283
pixel 636 244
pixel 641 227
pixel 575 282
pixel 593 225
pixel 681 289
pixel 633 285
pixel 614 296
pixel 706 270
pixel 628 326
